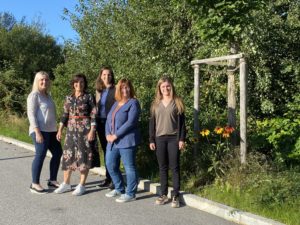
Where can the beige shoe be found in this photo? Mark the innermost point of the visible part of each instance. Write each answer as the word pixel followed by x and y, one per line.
pixel 161 200
pixel 175 202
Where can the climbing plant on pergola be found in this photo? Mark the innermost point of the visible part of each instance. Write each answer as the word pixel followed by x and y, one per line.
pixel 231 98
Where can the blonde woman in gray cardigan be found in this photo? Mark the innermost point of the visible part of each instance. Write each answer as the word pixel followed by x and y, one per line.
pixel 42 129
pixel 167 135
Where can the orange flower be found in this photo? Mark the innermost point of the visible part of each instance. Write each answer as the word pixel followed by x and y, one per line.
pixel 226 134
pixel 229 129
pixel 218 130
pixel 205 132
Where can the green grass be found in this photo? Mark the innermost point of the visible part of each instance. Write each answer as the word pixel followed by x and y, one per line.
pixel 18 128
pixel 285 212
pixel 15 127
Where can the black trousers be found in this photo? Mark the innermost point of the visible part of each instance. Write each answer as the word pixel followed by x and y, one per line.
pixel 103 141
pixel 167 153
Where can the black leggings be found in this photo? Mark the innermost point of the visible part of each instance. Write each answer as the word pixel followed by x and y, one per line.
pixel 167 153
pixel 103 141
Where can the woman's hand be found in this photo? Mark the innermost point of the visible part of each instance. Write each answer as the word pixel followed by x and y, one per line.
pixel 39 137
pixel 58 135
pixel 111 138
pixel 152 146
pixel 59 132
pixel 181 145
pixel 91 135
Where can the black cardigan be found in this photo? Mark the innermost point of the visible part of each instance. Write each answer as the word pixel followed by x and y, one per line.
pixel 181 128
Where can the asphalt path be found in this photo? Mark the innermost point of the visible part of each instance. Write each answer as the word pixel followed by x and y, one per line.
pixel 19 206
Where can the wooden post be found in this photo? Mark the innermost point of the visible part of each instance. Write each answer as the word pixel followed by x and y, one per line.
pixel 232 60
pixel 196 106
pixel 231 98
pixel 243 110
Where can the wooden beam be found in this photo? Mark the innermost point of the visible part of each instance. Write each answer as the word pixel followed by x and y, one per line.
pixel 196 106
pixel 243 110
pixel 217 63
pixel 231 93
pixel 222 58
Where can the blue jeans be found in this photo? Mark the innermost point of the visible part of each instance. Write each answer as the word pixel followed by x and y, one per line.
pixel 50 142
pixel 127 155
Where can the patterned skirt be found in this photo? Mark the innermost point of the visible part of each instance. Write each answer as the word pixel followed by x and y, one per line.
pixel 79 153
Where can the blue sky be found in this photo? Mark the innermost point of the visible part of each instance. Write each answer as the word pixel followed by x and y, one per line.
pixel 49 12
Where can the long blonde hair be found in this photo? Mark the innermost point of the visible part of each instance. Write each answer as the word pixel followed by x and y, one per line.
pixel 159 96
pixel 39 75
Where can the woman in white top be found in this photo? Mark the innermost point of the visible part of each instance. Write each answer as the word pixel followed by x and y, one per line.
pixel 42 118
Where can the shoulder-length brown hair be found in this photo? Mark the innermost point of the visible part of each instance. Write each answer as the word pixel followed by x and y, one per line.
pixel 159 96
pixel 120 84
pixel 76 78
pixel 99 82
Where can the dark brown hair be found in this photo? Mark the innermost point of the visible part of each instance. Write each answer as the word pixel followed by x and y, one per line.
pixel 76 78
pixel 99 82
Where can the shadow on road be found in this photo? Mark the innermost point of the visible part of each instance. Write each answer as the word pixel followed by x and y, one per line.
pixel 20 157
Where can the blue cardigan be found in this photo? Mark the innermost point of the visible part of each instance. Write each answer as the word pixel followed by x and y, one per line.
pixel 126 125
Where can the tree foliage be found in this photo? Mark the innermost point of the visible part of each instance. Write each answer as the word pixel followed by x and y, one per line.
pixel 28 50
pixel 143 40
pixel 24 50
pixel 7 20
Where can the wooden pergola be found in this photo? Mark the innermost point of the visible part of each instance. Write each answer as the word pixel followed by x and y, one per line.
pixel 231 60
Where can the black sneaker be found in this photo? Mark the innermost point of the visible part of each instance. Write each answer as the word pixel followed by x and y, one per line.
pixel 111 186
pixel 52 185
pixel 104 183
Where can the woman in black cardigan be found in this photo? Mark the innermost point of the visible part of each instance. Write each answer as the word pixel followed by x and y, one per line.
pixel 105 98
pixel 167 135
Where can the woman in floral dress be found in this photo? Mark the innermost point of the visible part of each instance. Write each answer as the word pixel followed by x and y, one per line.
pixel 80 148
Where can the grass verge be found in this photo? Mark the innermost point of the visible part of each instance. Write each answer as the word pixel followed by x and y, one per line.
pixel 14 127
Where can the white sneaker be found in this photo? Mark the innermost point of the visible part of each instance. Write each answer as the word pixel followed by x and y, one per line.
pixel 125 198
pixel 113 193
pixel 63 187
pixel 79 190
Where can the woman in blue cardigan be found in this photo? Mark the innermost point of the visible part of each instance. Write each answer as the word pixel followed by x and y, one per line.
pixel 123 137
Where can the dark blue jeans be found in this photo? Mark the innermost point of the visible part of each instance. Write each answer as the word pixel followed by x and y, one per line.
pixel 50 142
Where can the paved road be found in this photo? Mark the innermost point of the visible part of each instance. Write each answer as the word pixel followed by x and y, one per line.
pixel 19 206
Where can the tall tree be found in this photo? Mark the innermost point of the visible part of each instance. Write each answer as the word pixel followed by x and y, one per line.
pixel 24 50
pixel 7 20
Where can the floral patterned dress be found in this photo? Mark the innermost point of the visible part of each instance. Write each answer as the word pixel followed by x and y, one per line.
pixel 78 117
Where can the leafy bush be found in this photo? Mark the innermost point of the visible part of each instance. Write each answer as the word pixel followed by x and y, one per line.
pixel 13 92
pixel 278 188
pixel 279 137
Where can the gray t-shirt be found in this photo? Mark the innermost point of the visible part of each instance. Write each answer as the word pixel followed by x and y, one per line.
pixel 166 119
pixel 41 112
